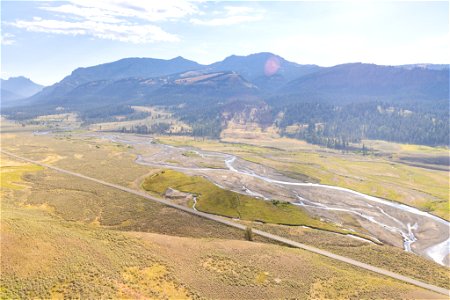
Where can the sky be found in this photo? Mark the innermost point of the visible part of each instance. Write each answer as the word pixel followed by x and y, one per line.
pixel 46 40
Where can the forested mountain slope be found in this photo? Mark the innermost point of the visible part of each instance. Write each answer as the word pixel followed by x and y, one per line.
pixel 331 106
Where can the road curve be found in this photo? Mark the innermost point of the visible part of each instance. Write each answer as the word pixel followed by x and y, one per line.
pixel 243 227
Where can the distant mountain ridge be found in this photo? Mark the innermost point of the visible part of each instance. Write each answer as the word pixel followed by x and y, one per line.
pixel 133 67
pixel 16 88
pixel 251 68
pixel 324 105
pixel 267 70
pixel 426 66
pixel 121 69
pixel 269 73
pixel 368 82
pixel 188 87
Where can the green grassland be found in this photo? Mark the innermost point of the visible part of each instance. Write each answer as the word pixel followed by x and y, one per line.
pixel 215 200
pixel 392 148
pixel 377 175
pixel 422 188
pixel 190 154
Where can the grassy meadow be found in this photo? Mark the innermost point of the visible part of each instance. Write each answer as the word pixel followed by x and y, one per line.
pixel 380 174
pixel 215 200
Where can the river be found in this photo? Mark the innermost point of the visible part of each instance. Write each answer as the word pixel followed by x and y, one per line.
pixel 395 218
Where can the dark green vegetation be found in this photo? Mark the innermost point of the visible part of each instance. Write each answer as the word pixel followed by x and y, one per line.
pixel 327 106
pixel 335 126
pixel 158 128
pixel 215 200
pixel 111 113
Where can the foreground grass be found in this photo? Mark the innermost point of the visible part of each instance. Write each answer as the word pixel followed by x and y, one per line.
pixel 44 257
pixel 215 200
pixel 47 258
pixel 261 271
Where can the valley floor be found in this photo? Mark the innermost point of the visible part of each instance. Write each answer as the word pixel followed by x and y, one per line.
pixel 63 236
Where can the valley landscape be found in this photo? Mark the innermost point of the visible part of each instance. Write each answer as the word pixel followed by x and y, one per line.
pixel 251 177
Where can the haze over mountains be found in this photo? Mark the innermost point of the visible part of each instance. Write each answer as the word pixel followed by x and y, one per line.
pixel 16 88
pixel 273 86
pixel 364 82
pixel 269 73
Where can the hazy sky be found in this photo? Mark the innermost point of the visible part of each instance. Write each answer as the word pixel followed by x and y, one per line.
pixel 45 41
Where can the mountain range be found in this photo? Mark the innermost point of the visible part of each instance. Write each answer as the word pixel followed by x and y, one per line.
pixel 16 88
pixel 262 75
pixel 208 92
pixel 359 82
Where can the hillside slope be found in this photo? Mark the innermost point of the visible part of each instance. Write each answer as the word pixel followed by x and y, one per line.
pixel 110 72
pixel 366 82
pixel 267 70
pixel 16 88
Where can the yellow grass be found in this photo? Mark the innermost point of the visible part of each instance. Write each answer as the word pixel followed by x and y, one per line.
pixel 12 172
